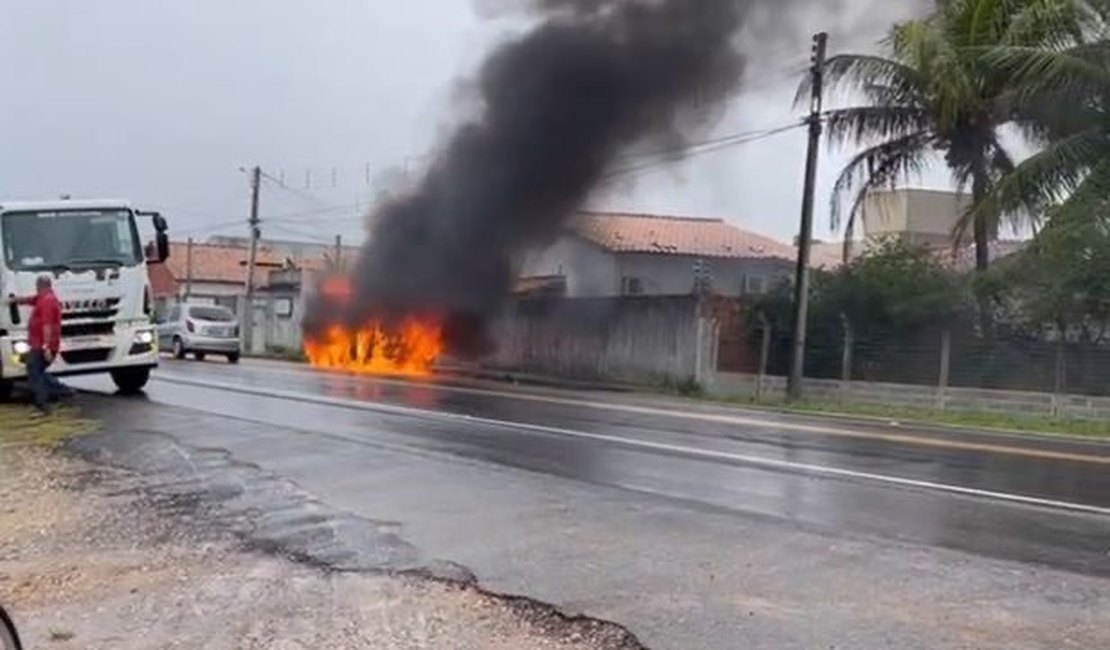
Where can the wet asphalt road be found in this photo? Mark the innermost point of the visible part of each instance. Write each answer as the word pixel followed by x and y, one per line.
pixel 656 482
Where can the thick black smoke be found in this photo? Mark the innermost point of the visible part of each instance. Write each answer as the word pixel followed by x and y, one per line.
pixel 559 105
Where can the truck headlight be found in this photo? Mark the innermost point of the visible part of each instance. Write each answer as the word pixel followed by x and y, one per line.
pixel 21 348
pixel 144 337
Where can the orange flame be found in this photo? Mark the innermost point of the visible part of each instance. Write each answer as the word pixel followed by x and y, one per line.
pixel 410 349
pixel 409 346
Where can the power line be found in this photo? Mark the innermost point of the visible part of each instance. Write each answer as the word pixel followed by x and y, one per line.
pixel 709 146
pixel 656 159
pixel 210 228
pixel 314 237
pixel 299 216
pixel 277 183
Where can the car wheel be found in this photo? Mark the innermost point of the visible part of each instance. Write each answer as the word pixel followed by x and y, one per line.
pixel 178 348
pixel 131 381
pixel 199 356
pixel 233 357
pixel 6 388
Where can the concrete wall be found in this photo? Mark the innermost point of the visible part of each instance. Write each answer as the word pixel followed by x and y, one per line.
pixel 773 389
pixel 646 340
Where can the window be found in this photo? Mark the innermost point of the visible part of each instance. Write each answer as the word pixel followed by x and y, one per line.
pixel 632 286
pixel 754 285
pixel 212 314
pixel 283 307
pixel 175 314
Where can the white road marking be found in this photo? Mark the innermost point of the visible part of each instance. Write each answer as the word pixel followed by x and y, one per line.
pixel 741 420
pixel 692 452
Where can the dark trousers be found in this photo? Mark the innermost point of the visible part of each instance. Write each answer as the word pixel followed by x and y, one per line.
pixel 45 387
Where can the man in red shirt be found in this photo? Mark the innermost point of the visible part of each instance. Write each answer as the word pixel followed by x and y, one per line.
pixel 44 336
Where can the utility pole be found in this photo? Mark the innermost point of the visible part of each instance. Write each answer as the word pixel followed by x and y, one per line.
pixel 189 269
pixel 255 233
pixel 805 236
pixel 338 252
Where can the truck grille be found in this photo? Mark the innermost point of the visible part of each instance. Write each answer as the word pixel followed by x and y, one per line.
pixel 78 357
pixel 90 309
pixel 88 329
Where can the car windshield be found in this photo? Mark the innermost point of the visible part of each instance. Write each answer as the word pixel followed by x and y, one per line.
pixel 213 314
pixel 69 239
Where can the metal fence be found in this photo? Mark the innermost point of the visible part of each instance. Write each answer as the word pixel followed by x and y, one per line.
pixel 939 358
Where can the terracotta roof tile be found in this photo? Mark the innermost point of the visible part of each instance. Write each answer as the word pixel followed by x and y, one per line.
pixel 225 264
pixel 665 235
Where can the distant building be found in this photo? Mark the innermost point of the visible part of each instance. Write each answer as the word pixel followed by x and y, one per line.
pixel 289 249
pixel 602 254
pixel 217 274
pixel 917 217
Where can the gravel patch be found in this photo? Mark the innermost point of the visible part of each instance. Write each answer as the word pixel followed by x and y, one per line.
pixel 86 563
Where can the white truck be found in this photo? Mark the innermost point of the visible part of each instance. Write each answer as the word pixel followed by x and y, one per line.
pixel 93 253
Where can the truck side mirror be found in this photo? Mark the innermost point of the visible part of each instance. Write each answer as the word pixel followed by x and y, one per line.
pixel 162 245
pixel 159 249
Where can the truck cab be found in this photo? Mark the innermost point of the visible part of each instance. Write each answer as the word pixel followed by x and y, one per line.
pixel 92 252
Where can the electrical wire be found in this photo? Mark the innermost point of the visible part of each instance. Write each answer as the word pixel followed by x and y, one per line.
pixel 657 158
pixel 677 154
pixel 277 183
pixel 314 237
pixel 210 228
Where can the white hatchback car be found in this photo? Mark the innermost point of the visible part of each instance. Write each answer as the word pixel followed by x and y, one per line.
pixel 200 330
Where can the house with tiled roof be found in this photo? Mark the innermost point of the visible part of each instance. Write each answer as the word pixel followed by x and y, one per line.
pixel 215 274
pixel 613 254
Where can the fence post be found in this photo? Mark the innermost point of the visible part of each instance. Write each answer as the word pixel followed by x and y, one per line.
pixel 846 358
pixel 1061 375
pixel 764 355
pixel 945 368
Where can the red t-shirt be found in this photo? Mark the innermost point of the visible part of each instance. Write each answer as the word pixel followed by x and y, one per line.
pixel 46 311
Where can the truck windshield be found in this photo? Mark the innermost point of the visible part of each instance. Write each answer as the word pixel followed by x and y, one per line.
pixel 69 239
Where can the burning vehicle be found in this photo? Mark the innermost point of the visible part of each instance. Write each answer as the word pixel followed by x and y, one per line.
pixel 408 344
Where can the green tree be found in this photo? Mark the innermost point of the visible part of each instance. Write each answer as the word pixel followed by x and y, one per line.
pixel 1060 286
pixel 1061 98
pixel 937 91
pixel 892 297
pixel 894 287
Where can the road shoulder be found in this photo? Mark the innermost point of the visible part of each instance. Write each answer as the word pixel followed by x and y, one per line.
pixel 92 558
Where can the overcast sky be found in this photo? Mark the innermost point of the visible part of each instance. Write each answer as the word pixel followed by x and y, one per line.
pixel 163 103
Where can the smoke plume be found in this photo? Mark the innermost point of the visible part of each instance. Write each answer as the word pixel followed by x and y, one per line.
pixel 558 107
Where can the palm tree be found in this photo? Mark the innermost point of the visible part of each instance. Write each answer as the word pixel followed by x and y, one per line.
pixel 937 91
pixel 1062 97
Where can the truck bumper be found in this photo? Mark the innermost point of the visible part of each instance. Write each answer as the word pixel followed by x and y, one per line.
pixel 128 347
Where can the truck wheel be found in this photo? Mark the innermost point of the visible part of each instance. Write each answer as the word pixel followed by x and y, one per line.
pixel 6 388
pixel 130 381
pixel 233 358
pixel 178 349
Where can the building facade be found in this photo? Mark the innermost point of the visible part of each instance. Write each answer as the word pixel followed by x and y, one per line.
pixel 605 255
